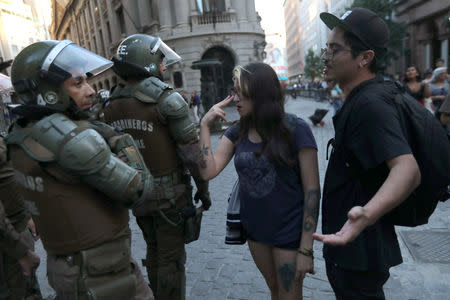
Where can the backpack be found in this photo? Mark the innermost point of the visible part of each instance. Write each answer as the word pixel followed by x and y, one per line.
pixel 431 149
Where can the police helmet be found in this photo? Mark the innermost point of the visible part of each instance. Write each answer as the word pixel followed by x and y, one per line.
pixel 39 70
pixel 139 56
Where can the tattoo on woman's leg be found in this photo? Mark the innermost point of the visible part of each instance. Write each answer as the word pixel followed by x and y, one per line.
pixel 287 275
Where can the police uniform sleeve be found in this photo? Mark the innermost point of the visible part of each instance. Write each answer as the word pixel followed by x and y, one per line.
pixel 175 110
pixel 10 240
pixel 84 152
pixel 375 133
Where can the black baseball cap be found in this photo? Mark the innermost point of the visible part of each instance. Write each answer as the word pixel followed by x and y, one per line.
pixel 365 25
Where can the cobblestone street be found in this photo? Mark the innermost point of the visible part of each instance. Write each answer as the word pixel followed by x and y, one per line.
pixel 215 270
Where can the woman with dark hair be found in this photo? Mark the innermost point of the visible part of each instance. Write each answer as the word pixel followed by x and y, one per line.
pixel 417 89
pixel 275 156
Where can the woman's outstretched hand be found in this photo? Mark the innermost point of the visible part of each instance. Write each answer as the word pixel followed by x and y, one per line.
pixel 216 112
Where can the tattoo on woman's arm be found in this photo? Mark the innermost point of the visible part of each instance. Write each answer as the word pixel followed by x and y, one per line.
pixel 312 202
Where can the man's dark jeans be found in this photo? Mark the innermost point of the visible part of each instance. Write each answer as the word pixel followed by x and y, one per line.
pixel 356 285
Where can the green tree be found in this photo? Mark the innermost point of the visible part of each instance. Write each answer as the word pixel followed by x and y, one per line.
pixel 313 65
pixel 385 9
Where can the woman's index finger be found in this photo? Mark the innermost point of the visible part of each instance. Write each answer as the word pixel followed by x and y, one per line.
pixel 225 102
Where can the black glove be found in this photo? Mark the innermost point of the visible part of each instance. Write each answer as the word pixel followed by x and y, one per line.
pixel 204 197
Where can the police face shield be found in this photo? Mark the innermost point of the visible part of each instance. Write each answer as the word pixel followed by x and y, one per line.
pixel 67 60
pixel 170 57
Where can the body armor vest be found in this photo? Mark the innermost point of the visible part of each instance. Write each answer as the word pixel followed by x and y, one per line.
pixel 149 128
pixel 71 215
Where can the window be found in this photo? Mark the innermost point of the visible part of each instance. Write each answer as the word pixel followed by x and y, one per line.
pixel 208 6
pixel 14 50
pixel 108 28
pixel 102 43
pixel 178 79
pixel 94 44
pixel 121 18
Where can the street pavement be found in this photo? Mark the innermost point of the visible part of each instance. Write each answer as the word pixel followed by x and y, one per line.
pixel 215 270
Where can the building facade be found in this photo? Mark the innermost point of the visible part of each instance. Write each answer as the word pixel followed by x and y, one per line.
pixel 339 7
pixel 314 32
pixel 305 30
pixel 211 36
pixel 428 33
pixel 294 50
pixel 22 22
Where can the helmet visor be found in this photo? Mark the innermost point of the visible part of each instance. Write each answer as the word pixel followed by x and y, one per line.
pixel 76 61
pixel 170 57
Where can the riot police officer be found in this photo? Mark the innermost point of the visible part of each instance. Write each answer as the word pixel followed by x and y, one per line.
pixel 18 261
pixel 74 183
pixel 157 118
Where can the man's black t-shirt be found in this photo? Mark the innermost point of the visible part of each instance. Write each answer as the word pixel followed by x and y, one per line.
pixel 356 170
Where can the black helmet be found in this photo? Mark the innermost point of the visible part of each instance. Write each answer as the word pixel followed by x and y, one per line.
pixel 39 70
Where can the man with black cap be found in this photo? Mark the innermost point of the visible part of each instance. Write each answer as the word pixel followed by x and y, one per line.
pixel 371 168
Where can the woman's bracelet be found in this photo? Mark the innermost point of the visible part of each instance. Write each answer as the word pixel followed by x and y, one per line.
pixel 306 252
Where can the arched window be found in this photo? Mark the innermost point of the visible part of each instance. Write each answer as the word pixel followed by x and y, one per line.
pixel 178 79
pixel 95 88
pixel 100 85
pixel 107 85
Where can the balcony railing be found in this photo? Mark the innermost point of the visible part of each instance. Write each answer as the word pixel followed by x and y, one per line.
pixel 210 18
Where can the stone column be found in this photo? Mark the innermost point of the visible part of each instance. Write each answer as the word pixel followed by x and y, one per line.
pixel 227 4
pixel 145 12
pixel 113 23
pixel 444 51
pixel 88 30
pixel 192 6
pixel 104 34
pixel 181 13
pixel 241 10
pixel 251 11
pixel 98 43
pixel 165 16
pixel 428 62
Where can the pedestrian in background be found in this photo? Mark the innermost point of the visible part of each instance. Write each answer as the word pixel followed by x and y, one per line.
pixel 371 169
pixel 336 96
pixel 419 90
pixel 276 160
pixel 443 114
pixel 195 104
pixel 439 87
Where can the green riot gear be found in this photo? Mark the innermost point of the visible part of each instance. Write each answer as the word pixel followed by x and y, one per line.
pixel 139 56
pixel 39 70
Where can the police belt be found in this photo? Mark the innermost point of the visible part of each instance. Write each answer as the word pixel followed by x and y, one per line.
pixel 111 259
pixel 78 258
pixel 168 188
